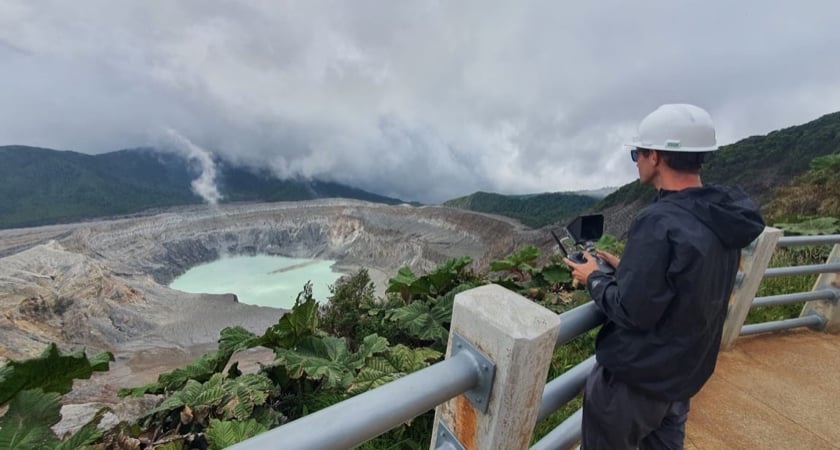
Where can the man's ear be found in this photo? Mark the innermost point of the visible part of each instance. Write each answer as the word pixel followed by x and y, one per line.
pixel 655 157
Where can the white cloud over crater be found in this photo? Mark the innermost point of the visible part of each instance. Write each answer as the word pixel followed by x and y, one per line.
pixel 420 100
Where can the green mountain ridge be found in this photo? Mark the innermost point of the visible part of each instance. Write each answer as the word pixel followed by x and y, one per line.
pixel 758 164
pixel 534 210
pixel 41 186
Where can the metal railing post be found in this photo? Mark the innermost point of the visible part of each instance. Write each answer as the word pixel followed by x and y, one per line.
pixel 829 309
pixel 518 336
pixel 754 260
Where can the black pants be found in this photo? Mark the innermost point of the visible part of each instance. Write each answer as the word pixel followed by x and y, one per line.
pixel 617 417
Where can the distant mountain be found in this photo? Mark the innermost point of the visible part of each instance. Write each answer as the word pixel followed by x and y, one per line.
pixel 759 164
pixel 534 210
pixel 597 193
pixel 40 186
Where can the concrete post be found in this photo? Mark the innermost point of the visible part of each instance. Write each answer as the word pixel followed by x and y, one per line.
pixel 754 260
pixel 519 337
pixel 826 308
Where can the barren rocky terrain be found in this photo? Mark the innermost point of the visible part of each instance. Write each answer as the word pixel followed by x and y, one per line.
pixel 102 284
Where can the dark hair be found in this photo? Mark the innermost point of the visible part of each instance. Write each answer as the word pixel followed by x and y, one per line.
pixel 681 161
pixel 684 161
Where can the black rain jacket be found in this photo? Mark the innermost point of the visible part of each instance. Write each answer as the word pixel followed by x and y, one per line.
pixel 667 302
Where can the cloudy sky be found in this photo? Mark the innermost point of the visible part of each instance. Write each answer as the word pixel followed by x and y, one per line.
pixel 421 100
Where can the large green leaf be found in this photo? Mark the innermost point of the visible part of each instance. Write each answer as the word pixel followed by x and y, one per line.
pixel 519 262
pixel 404 278
pixel 297 324
pixel 222 434
pixel 201 369
pixel 52 371
pixel 230 398
pixel 398 361
pixel 234 339
pixel 418 320
pixel 245 393
pixel 195 395
pixel 812 226
pixel 556 273
pixel 26 425
pixel 446 275
pixel 328 359
pixel 407 284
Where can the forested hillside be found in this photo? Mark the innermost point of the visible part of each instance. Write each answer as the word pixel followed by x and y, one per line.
pixel 533 210
pixel 41 186
pixel 764 166
pixel 759 164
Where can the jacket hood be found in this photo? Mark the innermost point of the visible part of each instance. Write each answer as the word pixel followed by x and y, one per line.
pixel 727 211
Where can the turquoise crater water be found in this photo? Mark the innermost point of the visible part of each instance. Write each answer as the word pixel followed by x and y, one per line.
pixel 260 280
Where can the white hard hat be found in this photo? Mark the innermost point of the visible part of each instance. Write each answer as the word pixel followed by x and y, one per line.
pixel 677 128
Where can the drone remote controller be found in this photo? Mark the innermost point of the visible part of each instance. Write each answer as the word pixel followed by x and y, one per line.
pixel 584 230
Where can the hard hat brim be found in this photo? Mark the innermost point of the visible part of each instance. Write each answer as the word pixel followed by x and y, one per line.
pixel 663 148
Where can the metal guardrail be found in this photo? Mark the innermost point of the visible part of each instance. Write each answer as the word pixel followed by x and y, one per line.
pixel 577 321
pixel 812 321
pixel 564 388
pixel 366 416
pixel 799 297
pixel 791 241
pixel 802 270
pixel 564 435
pixel 815 321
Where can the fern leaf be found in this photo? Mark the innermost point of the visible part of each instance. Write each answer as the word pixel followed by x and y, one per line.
pixel 398 361
pixel 318 358
pixel 222 434
pixel 246 392
pixel 328 359
pixel 234 339
pixel 202 369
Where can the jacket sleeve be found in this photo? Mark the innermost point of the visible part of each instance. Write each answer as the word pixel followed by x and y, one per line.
pixel 640 292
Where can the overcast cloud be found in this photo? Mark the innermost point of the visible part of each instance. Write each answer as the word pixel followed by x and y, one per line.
pixel 423 100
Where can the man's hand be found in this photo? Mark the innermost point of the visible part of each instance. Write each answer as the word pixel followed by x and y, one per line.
pixel 608 258
pixel 581 272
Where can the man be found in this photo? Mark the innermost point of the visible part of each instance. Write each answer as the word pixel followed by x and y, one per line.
pixel 667 301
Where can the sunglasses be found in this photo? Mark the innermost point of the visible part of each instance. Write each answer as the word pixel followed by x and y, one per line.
pixel 634 154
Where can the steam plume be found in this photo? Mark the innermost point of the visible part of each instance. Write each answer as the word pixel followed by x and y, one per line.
pixel 205 184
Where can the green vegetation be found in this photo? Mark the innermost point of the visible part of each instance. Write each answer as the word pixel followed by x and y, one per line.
pixel 533 210
pixel 627 194
pixel 758 164
pixel 33 388
pixel 787 257
pixel 811 200
pixel 41 186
